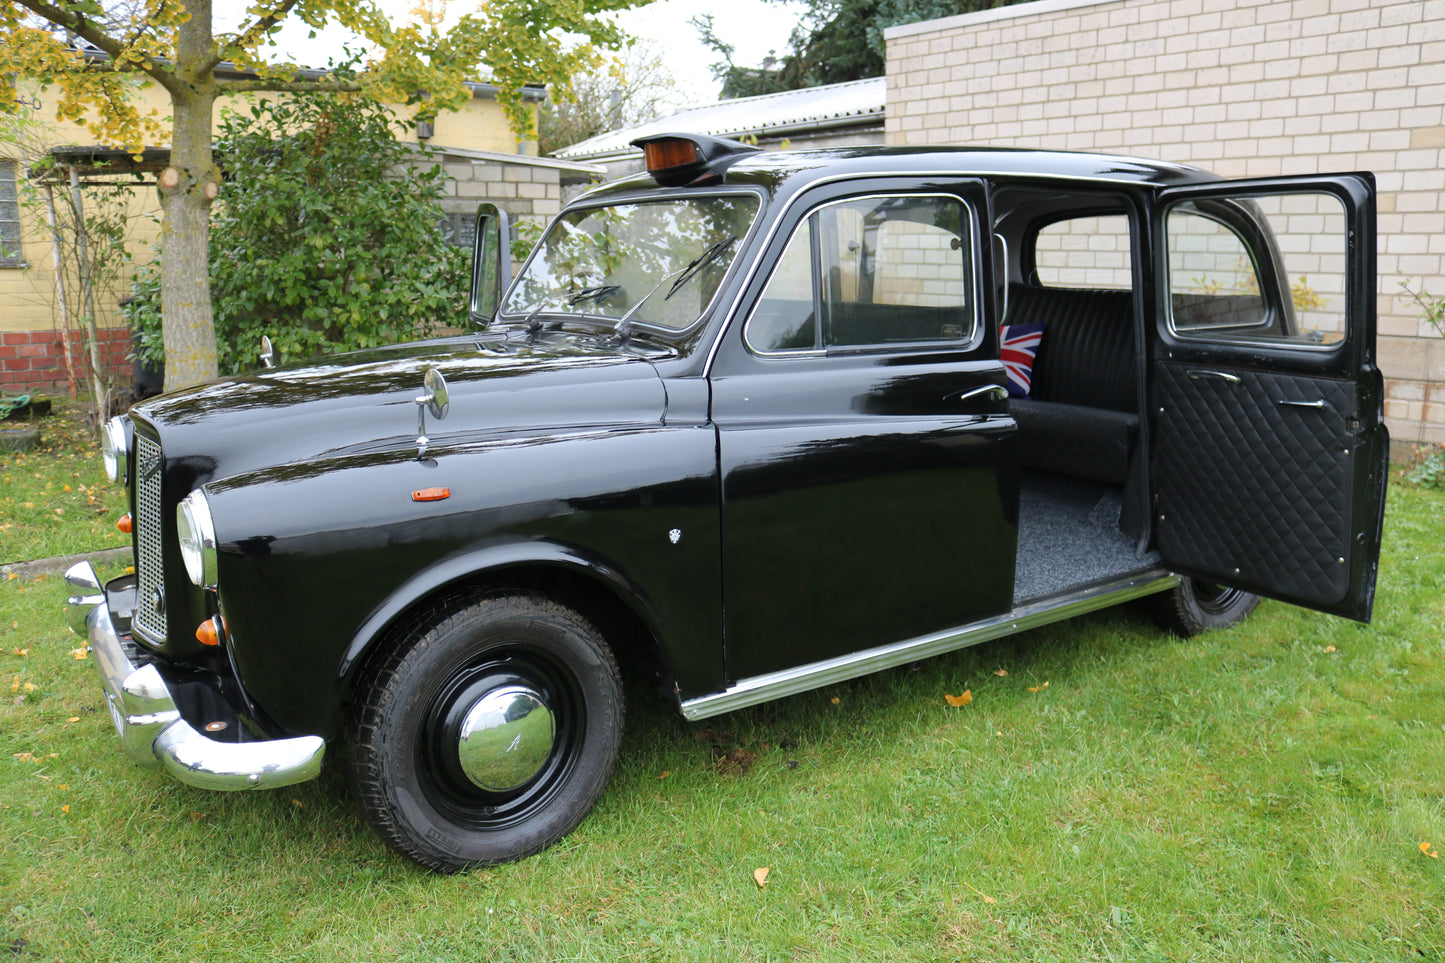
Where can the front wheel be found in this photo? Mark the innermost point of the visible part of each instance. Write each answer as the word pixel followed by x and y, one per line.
pixel 488 733
pixel 1194 606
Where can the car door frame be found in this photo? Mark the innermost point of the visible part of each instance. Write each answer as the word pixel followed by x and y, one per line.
pixel 1269 460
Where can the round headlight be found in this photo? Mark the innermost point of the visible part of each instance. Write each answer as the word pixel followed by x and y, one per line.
pixel 197 536
pixel 113 449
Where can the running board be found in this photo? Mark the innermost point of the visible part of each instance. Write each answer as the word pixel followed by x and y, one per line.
pixel 1053 608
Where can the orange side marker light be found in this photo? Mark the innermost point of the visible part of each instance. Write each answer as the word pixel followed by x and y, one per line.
pixel 125 524
pixel 431 494
pixel 211 631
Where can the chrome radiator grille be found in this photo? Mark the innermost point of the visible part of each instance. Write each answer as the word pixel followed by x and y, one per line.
pixel 150 618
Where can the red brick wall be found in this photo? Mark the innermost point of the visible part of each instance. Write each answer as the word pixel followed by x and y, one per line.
pixel 31 361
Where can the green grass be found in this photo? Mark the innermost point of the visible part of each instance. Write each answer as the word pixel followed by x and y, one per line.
pixel 1256 794
pixel 55 499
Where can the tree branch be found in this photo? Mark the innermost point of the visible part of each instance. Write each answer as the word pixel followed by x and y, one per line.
pixel 289 86
pixel 251 35
pixel 92 34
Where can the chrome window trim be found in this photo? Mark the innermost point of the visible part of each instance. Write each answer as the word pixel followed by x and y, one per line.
pixel 969 343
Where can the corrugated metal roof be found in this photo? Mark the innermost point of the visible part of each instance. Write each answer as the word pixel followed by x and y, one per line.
pixel 817 108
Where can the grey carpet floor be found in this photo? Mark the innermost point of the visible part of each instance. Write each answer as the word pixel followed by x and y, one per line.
pixel 1069 534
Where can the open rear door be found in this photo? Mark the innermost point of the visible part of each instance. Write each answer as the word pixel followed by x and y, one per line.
pixel 1268 448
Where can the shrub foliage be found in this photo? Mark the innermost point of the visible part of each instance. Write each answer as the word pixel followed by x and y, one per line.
pixel 325 237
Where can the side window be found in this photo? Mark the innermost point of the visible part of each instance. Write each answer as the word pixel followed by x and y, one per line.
pixel 1085 252
pixel 870 272
pixel 1270 268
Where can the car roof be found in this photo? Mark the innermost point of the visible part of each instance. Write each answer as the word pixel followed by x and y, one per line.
pixel 784 172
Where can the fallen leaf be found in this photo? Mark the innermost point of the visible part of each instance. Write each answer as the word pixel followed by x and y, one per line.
pixel 1038 688
pixel 760 876
pixel 197 817
pixel 734 762
pixel 1000 672
pixel 959 700
pixel 21 651
pixel 65 809
pixel 835 700
pixel 78 654
pixel 73 719
pixel 1429 850
pixel 664 774
pixel 1330 648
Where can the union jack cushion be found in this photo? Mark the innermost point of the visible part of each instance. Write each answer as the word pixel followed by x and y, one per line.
pixel 1018 344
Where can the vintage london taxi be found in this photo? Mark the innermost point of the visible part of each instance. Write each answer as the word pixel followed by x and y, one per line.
pixel 757 422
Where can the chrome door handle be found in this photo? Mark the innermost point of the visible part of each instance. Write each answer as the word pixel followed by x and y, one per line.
pixel 999 392
pixel 1202 375
pixel 1321 405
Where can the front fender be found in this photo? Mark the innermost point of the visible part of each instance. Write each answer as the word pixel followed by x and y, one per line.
pixel 316 560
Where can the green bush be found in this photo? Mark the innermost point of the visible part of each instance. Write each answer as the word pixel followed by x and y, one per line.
pixel 324 236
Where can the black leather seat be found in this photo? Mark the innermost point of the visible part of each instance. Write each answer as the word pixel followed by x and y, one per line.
pixel 1082 414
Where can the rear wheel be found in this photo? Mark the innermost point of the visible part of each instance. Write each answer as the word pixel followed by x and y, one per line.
pixel 1195 606
pixel 488 733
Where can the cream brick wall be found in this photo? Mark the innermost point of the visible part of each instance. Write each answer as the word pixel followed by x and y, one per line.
pixel 1245 88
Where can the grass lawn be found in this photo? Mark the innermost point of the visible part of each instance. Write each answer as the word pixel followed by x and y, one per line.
pixel 1257 794
pixel 55 499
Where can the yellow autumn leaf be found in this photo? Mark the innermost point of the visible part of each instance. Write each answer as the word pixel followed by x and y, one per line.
pixel 959 700
pixel 1330 649
pixel 78 654
pixel 834 700
pixel 21 651
pixel 1429 850
pixel 68 488
pixel 1038 688
pixel 73 719
pixel 664 774
pixel 760 876
pixel 65 809
pixel 1000 672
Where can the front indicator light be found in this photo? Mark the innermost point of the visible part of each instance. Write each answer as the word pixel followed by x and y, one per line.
pixel 197 535
pixel 126 524
pixel 212 631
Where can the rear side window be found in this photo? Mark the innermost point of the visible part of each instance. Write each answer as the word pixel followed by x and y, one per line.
pixel 872 272
pixel 1084 252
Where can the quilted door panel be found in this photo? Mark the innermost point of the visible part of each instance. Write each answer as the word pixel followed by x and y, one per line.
pixel 1252 477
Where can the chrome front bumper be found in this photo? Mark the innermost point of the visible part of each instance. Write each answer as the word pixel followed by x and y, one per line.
pixel 150 726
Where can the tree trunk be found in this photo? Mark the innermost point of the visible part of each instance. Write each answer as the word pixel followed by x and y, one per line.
pixel 187 189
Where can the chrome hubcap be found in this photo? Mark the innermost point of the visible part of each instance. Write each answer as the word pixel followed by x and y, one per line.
pixel 506 738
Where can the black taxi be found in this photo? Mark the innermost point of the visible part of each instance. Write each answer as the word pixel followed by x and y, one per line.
pixel 756 422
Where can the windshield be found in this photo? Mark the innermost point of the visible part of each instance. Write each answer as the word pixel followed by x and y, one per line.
pixel 654 262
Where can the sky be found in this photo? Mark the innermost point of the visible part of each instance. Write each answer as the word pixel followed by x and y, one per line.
pixel 754 27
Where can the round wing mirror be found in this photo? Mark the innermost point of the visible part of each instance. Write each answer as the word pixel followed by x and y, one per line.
pixel 438 399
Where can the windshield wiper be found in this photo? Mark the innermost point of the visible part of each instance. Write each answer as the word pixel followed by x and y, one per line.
pixel 593 293
pixel 698 263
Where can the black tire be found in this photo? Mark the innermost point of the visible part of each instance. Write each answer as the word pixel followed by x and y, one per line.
pixel 1194 606
pixel 416 784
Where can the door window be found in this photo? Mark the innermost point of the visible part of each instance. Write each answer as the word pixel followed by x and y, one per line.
pixel 1271 268
pixel 869 272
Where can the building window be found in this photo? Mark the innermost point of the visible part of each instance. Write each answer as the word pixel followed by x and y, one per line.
pixel 10 255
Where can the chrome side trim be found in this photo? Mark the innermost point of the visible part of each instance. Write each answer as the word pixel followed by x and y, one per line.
pixel 1055 608
pixel 151 728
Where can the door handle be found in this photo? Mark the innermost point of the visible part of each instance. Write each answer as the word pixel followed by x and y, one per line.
pixel 998 392
pixel 1320 405
pixel 1200 374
